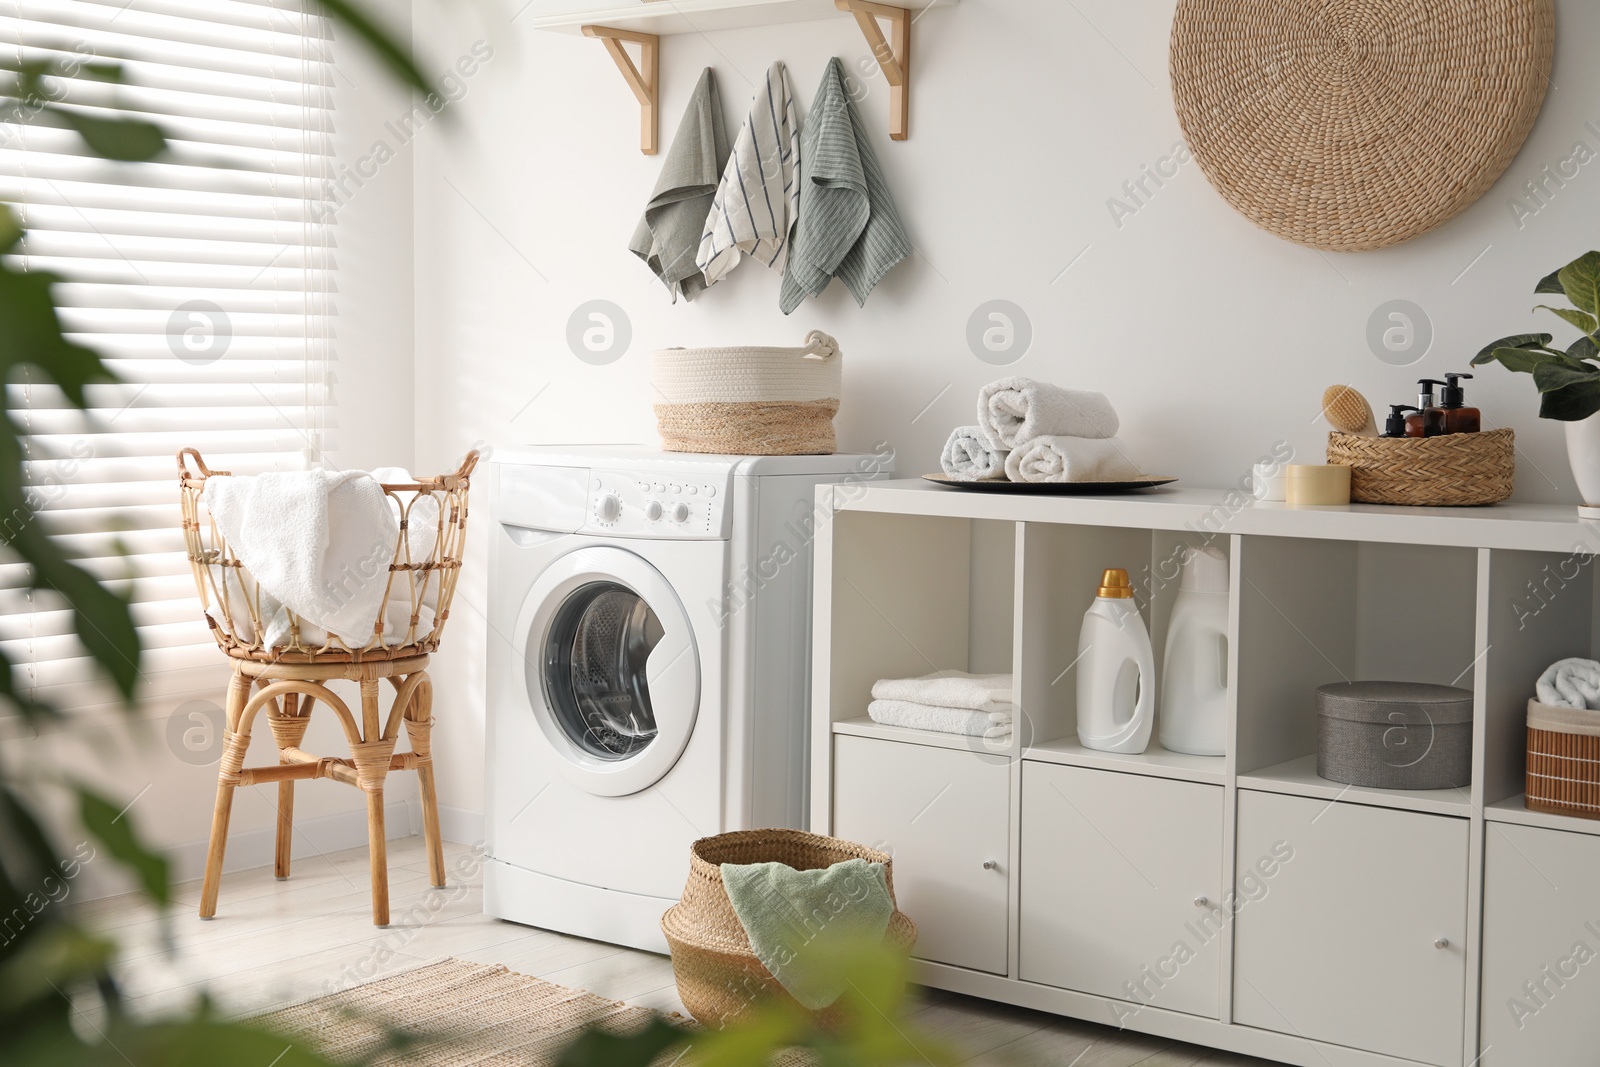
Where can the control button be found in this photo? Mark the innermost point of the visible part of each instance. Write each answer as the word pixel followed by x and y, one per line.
pixel 660 488
pixel 680 512
pixel 693 489
pixel 675 487
pixel 609 509
pixel 652 510
pixel 711 490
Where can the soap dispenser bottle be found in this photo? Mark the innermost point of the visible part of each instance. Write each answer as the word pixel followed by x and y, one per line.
pixel 1194 678
pixel 1395 424
pixel 1429 418
pixel 1116 671
pixel 1458 418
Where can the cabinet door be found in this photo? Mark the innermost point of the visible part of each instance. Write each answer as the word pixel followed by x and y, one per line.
pixel 945 816
pixel 1122 886
pixel 1541 947
pixel 1342 942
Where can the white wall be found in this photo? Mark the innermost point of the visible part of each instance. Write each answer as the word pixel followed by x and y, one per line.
pixel 1213 338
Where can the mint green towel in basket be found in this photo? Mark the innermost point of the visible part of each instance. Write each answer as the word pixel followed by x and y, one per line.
pixel 801 924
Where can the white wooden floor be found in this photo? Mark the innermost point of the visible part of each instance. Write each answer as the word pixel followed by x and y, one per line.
pixel 275 942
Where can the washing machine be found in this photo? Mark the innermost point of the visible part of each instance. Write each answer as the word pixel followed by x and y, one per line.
pixel 648 671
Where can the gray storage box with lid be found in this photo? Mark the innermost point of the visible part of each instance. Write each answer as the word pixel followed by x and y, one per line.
pixel 1395 735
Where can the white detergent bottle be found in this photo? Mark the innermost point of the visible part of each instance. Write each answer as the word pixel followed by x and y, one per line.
pixel 1116 671
pixel 1194 678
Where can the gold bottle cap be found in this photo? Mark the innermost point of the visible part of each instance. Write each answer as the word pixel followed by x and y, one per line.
pixel 1114 583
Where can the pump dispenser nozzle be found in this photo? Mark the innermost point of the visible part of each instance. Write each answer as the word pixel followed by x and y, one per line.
pixel 1428 420
pixel 1395 424
pixel 1458 418
pixel 1452 395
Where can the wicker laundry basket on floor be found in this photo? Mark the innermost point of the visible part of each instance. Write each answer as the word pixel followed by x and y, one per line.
pixel 718 974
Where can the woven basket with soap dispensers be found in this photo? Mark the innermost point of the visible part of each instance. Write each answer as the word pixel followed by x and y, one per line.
pixel 1433 454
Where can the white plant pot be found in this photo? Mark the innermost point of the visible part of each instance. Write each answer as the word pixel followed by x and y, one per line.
pixel 1583 452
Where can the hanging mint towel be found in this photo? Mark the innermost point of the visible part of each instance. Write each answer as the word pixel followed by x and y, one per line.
pixel 668 236
pixel 800 923
pixel 848 226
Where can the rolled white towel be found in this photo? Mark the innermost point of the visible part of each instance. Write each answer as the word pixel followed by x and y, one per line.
pixel 950 689
pixel 1571 683
pixel 1070 459
pixel 965 721
pixel 968 457
pixel 1012 411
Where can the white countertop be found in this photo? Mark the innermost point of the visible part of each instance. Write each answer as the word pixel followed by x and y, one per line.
pixel 1532 527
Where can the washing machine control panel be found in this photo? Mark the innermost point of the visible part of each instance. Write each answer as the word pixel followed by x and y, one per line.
pixel 686 504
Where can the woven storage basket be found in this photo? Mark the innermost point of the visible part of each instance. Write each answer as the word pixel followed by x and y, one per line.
pixel 1456 470
pixel 748 401
pixel 1563 762
pixel 718 974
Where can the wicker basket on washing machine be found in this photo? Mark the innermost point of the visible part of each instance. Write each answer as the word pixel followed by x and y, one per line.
pixel 748 401
pixel 718 974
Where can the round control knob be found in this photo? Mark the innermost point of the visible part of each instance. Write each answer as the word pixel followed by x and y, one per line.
pixel 609 509
pixel 680 512
pixel 1443 942
pixel 652 510
pixel 990 865
pixel 1201 902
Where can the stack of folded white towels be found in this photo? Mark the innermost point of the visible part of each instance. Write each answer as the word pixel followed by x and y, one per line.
pixel 1032 431
pixel 947 702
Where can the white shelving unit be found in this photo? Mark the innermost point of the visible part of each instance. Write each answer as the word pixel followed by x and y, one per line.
pixel 1321 924
pixel 668 17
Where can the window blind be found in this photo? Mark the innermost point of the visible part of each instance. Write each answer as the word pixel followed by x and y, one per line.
pixel 204 279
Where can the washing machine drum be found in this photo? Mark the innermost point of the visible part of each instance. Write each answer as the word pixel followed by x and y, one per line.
pixel 611 669
pixel 595 652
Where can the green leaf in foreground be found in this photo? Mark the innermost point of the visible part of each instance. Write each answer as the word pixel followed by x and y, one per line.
pixel 1516 340
pixel 124 140
pixel 1580 280
pixel 600 1048
pixel 382 43
pixel 111 828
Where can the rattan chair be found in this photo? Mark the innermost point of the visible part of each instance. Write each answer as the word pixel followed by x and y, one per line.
pixel 292 676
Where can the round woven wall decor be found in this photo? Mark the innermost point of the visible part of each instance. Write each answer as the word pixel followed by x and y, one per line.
pixel 1355 124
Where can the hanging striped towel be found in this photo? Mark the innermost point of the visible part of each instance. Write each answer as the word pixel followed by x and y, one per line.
pixel 759 196
pixel 848 226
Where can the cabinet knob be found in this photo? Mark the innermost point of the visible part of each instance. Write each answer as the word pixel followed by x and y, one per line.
pixel 990 865
pixel 1443 942
pixel 1201 902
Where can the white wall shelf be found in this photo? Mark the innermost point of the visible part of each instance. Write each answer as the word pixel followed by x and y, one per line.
pixel 1515 810
pixel 644 24
pixel 670 17
pixel 1154 761
pixel 1298 777
pixel 1380 890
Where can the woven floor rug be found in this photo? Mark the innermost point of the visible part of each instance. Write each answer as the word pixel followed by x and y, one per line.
pixel 482 1014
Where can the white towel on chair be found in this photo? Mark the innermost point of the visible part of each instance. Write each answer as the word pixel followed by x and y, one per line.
pixel 1070 459
pixel 965 721
pixel 759 195
pixel 950 689
pixel 1571 683
pixel 320 542
pixel 968 457
pixel 1013 411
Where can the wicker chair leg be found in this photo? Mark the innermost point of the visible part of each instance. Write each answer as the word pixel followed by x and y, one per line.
pixel 419 731
pixel 233 749
pixel 281 850
pixel 377 854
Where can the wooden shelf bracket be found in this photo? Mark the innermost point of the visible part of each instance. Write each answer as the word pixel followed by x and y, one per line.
pixel 893 57
pixel 644 80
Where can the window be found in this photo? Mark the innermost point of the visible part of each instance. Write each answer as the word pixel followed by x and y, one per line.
pixel 204 281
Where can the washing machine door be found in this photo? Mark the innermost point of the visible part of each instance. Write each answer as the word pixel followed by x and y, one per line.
pixel 612 673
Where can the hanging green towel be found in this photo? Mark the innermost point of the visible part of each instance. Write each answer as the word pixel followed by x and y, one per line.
pixel 668 236
pixel 848 227
pixel 802 923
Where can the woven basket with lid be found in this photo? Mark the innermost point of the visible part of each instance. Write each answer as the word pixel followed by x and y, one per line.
pixel 718 974
pixel 1456 470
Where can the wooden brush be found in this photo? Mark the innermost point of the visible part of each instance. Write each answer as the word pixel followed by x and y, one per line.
pixel 1347 410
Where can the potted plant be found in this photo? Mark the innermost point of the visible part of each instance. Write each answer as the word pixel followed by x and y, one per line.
pixel 1568 381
